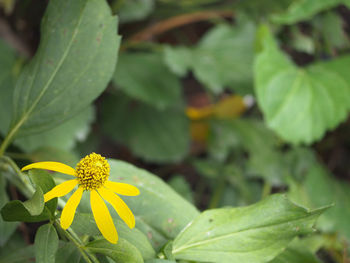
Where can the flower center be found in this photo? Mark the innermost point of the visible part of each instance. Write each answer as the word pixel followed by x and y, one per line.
pixel 92 171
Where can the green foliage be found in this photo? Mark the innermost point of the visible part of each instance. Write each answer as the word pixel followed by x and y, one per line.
pixel 154 135
pixel 130 11
pixel 46 244
pixel 168 219
pixel 214 60
pixel 144 76
pixel 318 189
pixel 123 251
pixel 72 47
pixel 306 9
pixel 177 119
pixel 6 228
pixel 244 234
pixel 292 97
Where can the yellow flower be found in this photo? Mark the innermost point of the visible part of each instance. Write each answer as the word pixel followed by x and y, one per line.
pixel 91 175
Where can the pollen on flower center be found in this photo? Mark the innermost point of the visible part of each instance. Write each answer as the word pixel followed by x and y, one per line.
pixel 92 171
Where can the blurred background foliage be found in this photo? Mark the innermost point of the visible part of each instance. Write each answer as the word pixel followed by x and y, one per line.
pixel 227 101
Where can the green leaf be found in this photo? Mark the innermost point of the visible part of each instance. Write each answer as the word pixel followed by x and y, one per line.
pixel 157 260
pixel 173 212
pixel 136 10
pixel 256 233
pixel 331 26
pixel 178 59
pixel 159 136
pixel 67 253
pixel 7 79
pixel 181 186
pixel 63 136
pixel 305 9
pixel 122 252
pixel 224 57
pixel 33 210
pixel 145 77
pixel 45 181
pixel 296 253
pixel 300 104
pixel 262 9
pixel 84 224
pixel 73 64
pixel 36 204
pixel 6 228
pixel 46 244
pixel 16 251
pixel 319 188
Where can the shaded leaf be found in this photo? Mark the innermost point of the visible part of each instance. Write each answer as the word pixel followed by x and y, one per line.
pixel 320 188
pixel 7 79
pixel 67 253
pixel 296 253
pixel 46 244
pixel 6 228
pixel 305 10
pixel 16 251
pixel 224 57
pixel 159 136
pixel 256 233
pixel 145 77
pixel 131 11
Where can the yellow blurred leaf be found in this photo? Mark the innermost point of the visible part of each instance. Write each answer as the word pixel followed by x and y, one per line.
pixel 229 107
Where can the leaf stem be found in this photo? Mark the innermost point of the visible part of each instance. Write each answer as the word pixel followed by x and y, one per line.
pixel 21 181
pixel 78 243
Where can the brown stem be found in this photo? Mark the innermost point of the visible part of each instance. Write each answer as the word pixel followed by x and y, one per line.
pixel 177 21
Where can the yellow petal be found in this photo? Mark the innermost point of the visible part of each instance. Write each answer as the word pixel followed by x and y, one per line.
pixel 122 188
pixel 60 190
pixel 103 218
pixel 52 166
pixel 70 207
pixel 119 206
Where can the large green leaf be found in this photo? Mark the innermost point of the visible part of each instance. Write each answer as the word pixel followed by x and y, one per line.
pixel 296 253
pixel 145 77
pixel 62 137
pixel 306 9
pixel 122 252
pixel 300 104
pixel 160 136
pixel 46 244
pixel 157 205
pixel 74 62
pixel 256 233
pixel 319 188
pixel 224 57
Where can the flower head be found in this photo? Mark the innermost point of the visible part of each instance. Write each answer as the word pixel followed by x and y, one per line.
pixel 91 174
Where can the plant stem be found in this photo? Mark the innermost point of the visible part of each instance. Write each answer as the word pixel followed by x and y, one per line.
pixel 219 190
pixel 77 242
